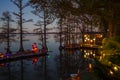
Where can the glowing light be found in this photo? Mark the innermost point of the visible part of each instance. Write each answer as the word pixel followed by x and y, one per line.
pixel 86 38
pixel 111 72
pixel 91 52
pixel 115 68
pixel 94 39
pixel 1 55
pixel 48 56
pixel 34 48
pixel 91 45
pixel 85 35
pixel 85 56
pixel 94 55
pixel 109 63
pixel 90 66
pixel 100 58
pixel 2 65
pixel 101 35
pixel 103 55
pixel 8 54
pixel 91 40
pixel 101 46
pixel 84 51
pixel 35 60
pixel 88 54
pixel 48 49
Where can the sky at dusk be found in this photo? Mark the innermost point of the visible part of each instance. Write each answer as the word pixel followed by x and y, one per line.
pixel 7 5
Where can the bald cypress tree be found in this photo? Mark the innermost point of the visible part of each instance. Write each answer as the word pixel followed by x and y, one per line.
pixel 108 10
pixel 7 18
pixel 43 11
pixel 19 4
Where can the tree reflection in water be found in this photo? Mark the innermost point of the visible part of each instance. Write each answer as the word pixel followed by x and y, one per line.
pixel 67 62
pixel 70 62
pixel 74 62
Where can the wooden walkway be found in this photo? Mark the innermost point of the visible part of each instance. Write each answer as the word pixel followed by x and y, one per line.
pixel 21 56
pixel 81 47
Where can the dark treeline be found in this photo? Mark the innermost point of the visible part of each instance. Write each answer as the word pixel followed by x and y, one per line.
pixel 86 16
pixel 71 16
pixel 104 14
pixel 73 19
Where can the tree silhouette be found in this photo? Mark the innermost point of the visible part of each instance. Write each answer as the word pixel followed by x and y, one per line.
pixel 6 17
pixel 108 10
pixel 40 31
pixel 19 15
pixel 42 10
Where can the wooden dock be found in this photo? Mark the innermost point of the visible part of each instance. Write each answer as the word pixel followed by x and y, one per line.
pixel 81 47
pixel 15 57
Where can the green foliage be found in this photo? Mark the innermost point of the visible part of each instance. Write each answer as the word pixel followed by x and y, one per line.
pixel 101 70
pixel 111 44
pixel 116 38
pixel 115 59
pixel 111 49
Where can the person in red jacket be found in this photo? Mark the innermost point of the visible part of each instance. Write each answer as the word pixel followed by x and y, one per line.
pixel 34 48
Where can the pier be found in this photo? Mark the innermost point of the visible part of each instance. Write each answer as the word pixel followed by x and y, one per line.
pixel 19 56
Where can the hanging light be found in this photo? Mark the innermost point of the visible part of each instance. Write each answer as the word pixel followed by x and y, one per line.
pixel 94 39
pixel 115 68
pixel 111 72
pixel 85 56
pixel 94 55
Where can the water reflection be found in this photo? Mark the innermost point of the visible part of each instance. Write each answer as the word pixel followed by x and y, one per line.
pixel 59 65
pixel 24 70
pixel 76 62
pixel 20 70
pixel 70 62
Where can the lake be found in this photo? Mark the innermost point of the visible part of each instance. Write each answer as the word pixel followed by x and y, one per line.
pixel 31 71
pixel 58 65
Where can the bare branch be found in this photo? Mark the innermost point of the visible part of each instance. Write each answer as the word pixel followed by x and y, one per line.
pixel 30 20
pixel 15 2
pixel 16 14
pixel 26 5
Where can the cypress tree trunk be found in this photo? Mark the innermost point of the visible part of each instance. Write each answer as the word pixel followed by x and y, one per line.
pixel 21 28
pixel 111 29
pixel 60 32
pixel 117 18
pixel 117 30
pixel 8 37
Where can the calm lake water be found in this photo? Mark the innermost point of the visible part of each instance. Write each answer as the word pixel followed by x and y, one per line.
pixel 58 65
pixel 31 71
